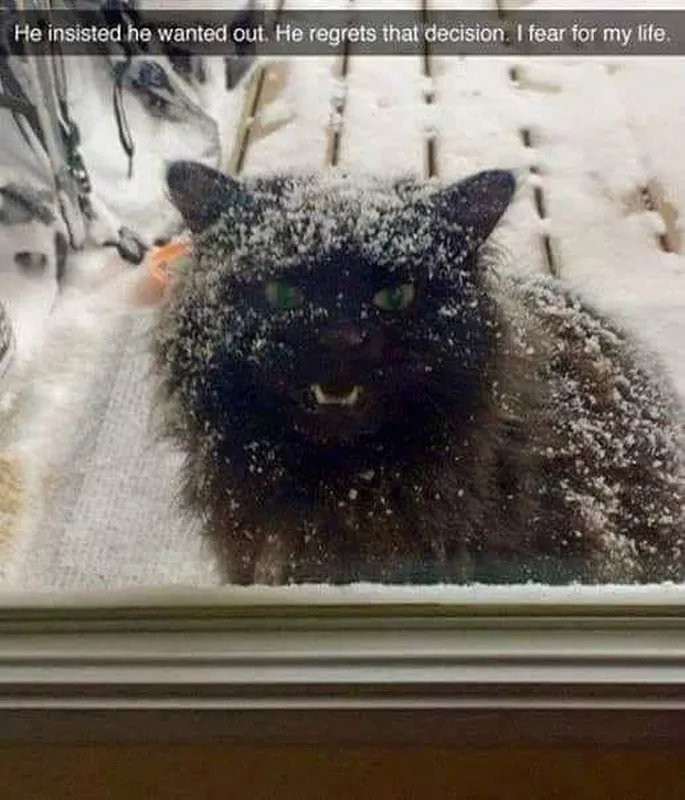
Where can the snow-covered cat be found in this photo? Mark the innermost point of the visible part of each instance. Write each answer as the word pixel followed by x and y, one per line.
pixel 361 397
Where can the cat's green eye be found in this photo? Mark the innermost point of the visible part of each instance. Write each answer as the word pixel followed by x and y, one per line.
pixel 395 298
pixel 283 296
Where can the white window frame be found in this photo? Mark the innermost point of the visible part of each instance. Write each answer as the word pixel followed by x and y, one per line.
pixel 513 665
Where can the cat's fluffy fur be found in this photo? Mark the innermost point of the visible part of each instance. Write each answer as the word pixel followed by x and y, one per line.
pixel 485 429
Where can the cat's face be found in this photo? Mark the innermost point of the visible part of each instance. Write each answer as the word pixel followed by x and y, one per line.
pixel 338 341
pixel 328 311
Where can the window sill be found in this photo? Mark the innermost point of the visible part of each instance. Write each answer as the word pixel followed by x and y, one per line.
pixel 474 666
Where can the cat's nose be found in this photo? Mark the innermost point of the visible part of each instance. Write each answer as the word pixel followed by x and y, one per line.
pixel 342 336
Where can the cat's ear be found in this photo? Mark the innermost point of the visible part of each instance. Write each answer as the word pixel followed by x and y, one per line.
pixel 201 193
pixel 477 203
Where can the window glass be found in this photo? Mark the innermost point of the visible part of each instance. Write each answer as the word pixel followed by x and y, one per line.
pixel 391 297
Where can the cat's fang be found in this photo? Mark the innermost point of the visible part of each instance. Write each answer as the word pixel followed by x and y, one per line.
pixel 323 398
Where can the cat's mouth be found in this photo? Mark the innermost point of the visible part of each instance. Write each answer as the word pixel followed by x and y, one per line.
pixel 325 395
pixel 336 409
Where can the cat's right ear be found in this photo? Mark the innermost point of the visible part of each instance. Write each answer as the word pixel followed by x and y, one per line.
pixel 201 193
pixel 476 204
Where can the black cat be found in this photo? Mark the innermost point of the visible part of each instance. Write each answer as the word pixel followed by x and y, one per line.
pixel 361 397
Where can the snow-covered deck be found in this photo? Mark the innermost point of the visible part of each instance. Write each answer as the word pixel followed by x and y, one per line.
pixel 87 495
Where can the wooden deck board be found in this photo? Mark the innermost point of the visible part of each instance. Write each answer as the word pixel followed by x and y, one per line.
pixel 649 91
pixel 291 129
pixel 591 173
pixel 289 125
pixel 383 130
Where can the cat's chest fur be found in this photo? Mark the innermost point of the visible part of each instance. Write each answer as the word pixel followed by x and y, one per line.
pixel 360 398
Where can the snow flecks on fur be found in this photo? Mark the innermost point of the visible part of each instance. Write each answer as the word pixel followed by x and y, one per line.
pixel 309 218
pixel 615 422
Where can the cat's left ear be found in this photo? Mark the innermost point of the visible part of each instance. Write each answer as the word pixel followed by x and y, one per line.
pixel 477 203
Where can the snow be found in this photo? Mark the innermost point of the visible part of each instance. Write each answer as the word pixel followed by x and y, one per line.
pixel 599 133
pixel 366 594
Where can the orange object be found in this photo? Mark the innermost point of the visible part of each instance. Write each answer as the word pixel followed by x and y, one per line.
pixel 161 260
